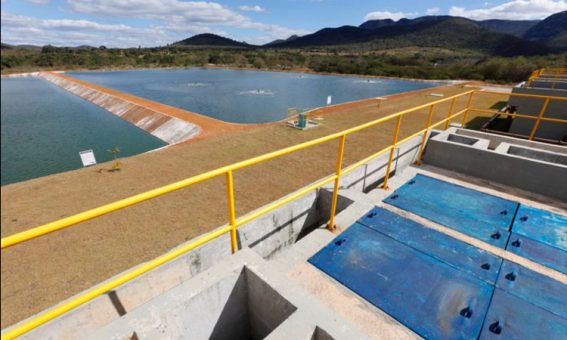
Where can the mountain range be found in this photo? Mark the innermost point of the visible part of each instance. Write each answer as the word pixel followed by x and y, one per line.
pixel 493 37
pixel 211 40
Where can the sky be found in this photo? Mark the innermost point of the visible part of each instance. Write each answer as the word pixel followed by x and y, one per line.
pixel 133 23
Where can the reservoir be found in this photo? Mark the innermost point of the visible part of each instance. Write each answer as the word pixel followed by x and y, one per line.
pixel 44 128
pixel 241 96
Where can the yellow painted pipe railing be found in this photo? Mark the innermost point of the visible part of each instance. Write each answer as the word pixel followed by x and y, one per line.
pixel 547 74
pixel 108 208
pixel 234 222
pixel 538 119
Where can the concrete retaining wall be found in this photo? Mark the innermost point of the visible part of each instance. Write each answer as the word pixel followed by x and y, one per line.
pixel 532 106
pixel 169 129
pixel 21 75
pixel 495 140
pixel 368 176
pixel 528 167
pixel 560 84
pixel 241 298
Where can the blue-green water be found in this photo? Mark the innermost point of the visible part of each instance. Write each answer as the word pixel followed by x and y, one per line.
pixel 245 96
pixel 43 128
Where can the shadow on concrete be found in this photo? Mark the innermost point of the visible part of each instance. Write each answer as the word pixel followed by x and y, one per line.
pixel 253 310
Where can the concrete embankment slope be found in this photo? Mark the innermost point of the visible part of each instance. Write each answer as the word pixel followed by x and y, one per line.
pixel 165 122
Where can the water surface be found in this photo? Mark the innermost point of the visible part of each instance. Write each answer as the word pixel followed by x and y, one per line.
pixel 245 96
pixel 44 127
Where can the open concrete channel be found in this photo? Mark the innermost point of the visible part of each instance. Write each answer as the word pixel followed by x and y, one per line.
pixel 271 289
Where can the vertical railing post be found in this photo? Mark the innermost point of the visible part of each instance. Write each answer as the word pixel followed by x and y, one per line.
pixel 392 149
pixel 555 77
pixel 338 171
pixel 231 211
pixel 467 109
pixel 539 115
pixel 450 113
pixel 427 126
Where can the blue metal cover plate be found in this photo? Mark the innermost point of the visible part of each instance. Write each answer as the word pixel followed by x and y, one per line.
pixel 534 288
pixel 427 295
pixel 483 216
pixel 510 317
pixel 542 226
pixel 455 253
pixel 541 253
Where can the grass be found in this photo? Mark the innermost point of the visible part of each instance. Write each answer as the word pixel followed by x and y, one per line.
pixel 44 271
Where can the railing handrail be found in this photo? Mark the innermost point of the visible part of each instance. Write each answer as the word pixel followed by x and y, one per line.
pixel 129 201
pixel 235 223
pixel 555 73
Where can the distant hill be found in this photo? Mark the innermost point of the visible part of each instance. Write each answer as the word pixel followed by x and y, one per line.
pixel 210 40
pixel 428 31
pixel 373 24
pixel 514 27
pixel 13 47
pixel 85 47
pixel 279 41
pixel 552 31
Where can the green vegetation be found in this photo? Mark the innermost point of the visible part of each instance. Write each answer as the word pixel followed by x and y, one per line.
pixel 116 166
pixel 408 62
pixel 430 47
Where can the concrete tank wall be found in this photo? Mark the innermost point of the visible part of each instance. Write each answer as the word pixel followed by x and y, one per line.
pixel 169 129
pixel 532 106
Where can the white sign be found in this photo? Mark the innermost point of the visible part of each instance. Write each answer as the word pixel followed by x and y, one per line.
pixel 87 157
pixel 329 98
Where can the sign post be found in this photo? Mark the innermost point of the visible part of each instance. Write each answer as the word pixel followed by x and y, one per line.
pixel 88 158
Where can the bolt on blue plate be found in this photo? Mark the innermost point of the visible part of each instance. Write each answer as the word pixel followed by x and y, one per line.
pixel 429 296
pixel 535 288
pixel 542 226
pixel 510 317
pixel 541 253
pixel 483 216
pixel 458 254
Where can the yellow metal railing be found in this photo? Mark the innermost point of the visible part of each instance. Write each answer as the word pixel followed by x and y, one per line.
pixel 228 171
pixel 548 74
pixel 537 119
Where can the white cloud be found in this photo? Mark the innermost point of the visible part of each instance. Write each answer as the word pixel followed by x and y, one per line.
pixel 387 15
pixel 513 10
pixel 197 15
pixel 39 2
pixel 196 12
pixel 18 21
pixel 254 8
pixel 18 29
pixel 170 24
pixel 432 11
